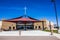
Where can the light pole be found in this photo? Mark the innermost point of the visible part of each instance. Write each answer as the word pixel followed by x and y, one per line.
pixel 54 3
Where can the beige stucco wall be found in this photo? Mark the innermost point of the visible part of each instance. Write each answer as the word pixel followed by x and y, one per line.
pixel 40 24
pixel 0 24
pixel 36 24
pixel 6 25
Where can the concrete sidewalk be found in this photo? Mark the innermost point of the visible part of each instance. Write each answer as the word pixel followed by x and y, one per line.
pixel 38 33
pixel 28 33
pixel 56 35
pixel 35 33
pixel 9 33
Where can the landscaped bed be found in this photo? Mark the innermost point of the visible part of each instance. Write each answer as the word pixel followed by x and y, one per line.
pixel 55 31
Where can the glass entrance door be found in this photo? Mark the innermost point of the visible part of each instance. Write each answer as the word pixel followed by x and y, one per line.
pixel 19 27
pixel 24 26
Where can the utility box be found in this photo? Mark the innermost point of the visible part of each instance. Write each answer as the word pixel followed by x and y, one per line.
pixel 59 30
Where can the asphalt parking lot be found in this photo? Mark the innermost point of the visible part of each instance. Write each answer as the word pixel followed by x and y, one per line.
pixel 28 38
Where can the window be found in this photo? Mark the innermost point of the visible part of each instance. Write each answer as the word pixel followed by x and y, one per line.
pixel 39 26
pixel 36 27
pixel 13 27
pixel 9 28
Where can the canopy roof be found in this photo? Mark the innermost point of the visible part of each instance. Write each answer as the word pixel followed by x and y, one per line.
pixel 23 18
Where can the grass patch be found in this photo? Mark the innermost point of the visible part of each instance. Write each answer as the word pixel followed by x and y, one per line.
pixel 55 31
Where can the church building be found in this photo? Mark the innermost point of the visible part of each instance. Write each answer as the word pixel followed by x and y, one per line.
pixel 24 23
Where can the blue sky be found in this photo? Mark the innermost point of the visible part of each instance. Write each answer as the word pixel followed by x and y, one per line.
pixel 35 8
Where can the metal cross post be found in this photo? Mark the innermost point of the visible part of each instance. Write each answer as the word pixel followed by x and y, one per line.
pixel 25 8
